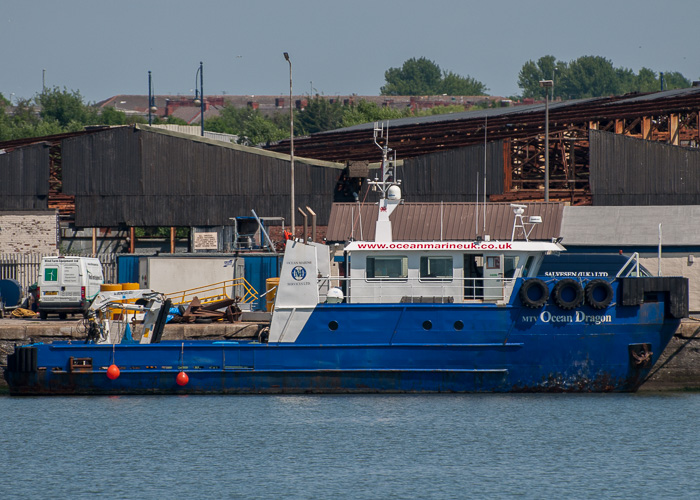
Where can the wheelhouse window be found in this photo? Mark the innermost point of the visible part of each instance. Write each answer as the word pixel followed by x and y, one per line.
pixel 436 268
pixel 510 264
pixel 527 270
pixel 392 268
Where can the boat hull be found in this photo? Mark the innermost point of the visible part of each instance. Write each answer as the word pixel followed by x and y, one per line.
pixel 587 363
pixel 391 348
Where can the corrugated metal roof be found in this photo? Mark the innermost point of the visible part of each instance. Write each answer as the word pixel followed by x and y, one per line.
pixel 197 130
pixel 414 136
pixel 666 94
pixel 631 226
pixel 525 109
pixel 238 147
pixel 441 221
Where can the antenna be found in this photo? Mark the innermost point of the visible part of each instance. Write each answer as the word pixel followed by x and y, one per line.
pixel 387 184
pixel 486 132
pixel 387 177
pixel 519 221
pixel 476 210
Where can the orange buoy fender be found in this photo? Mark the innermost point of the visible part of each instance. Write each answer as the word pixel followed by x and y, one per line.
pixel 182 379
pixel 113 372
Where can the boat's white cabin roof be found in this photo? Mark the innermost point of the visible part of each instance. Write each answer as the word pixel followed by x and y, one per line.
pixel 518 246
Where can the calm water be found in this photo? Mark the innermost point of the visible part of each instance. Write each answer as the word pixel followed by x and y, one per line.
pixel 530 446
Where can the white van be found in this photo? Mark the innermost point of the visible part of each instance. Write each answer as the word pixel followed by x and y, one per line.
pixel 67 285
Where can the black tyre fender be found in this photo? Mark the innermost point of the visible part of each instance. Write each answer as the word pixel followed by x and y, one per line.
pixel 533 293
pixel 567 287
pixel 599 288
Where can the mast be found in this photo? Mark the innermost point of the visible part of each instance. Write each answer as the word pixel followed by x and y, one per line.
pixel 386 184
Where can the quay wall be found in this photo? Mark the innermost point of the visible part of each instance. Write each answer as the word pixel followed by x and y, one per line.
pixel 678 368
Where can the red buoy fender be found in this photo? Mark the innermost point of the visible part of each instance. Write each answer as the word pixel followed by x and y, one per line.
pixel 113 372
pixel 182 379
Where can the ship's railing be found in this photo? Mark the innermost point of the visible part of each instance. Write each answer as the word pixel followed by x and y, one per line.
pixel 222 290
pixel 378 290
pixel 628 270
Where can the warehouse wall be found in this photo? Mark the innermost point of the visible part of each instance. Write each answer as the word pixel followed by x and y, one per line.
pixel 24 178
pixel 629 171
pixel 138 177
pixel 28 232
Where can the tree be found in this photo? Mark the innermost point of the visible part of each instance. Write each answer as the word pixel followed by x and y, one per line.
pixel 25 122
pixel 424 77
pixel 366 112
pixel 63 106
pixel 453 84
pixel 174 120
pixel 320 115
pixel 627 80
pixel 415 77
pixel 589 76
pixel 110 116
pixel 248 124
pixel 646 81
pixel 532 72
pixel 674 80
pixel 260 130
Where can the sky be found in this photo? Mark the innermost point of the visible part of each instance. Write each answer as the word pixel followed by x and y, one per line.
pixel 105 48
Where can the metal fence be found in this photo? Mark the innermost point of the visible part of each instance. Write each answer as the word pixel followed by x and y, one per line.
pixel 24 268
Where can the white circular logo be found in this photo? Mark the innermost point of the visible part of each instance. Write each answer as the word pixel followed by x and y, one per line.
pixel 298 273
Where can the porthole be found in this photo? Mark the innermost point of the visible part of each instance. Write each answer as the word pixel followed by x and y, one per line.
pixel 427 324
pixel 459 325
pixel 333 326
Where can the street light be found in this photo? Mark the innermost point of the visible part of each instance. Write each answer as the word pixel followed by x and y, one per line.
pixel 546 84
pixel 291 138
pixel 151 100
pixel 199 94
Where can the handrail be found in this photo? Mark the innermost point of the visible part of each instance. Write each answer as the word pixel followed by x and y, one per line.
pixel 214 292
pixel 635 268
pixel 393 290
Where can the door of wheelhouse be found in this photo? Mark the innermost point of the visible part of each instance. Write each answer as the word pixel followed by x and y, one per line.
pixel 473 276
pixel 483 277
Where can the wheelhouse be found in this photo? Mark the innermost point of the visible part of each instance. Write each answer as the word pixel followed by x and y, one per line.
pixel 455 271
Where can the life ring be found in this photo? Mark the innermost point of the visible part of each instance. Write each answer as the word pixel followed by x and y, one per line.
pixel 599 294
pixel 534 293
pixel 567 294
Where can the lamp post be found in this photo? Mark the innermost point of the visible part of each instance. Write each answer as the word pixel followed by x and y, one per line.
pixel 199 94
pixel 151 100
pixel 546 84
pixel 291 140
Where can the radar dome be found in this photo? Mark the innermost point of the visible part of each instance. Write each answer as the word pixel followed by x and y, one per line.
pixel 394 193
pixel 335 296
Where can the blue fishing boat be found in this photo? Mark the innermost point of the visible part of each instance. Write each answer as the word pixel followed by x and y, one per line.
pixel 403 316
